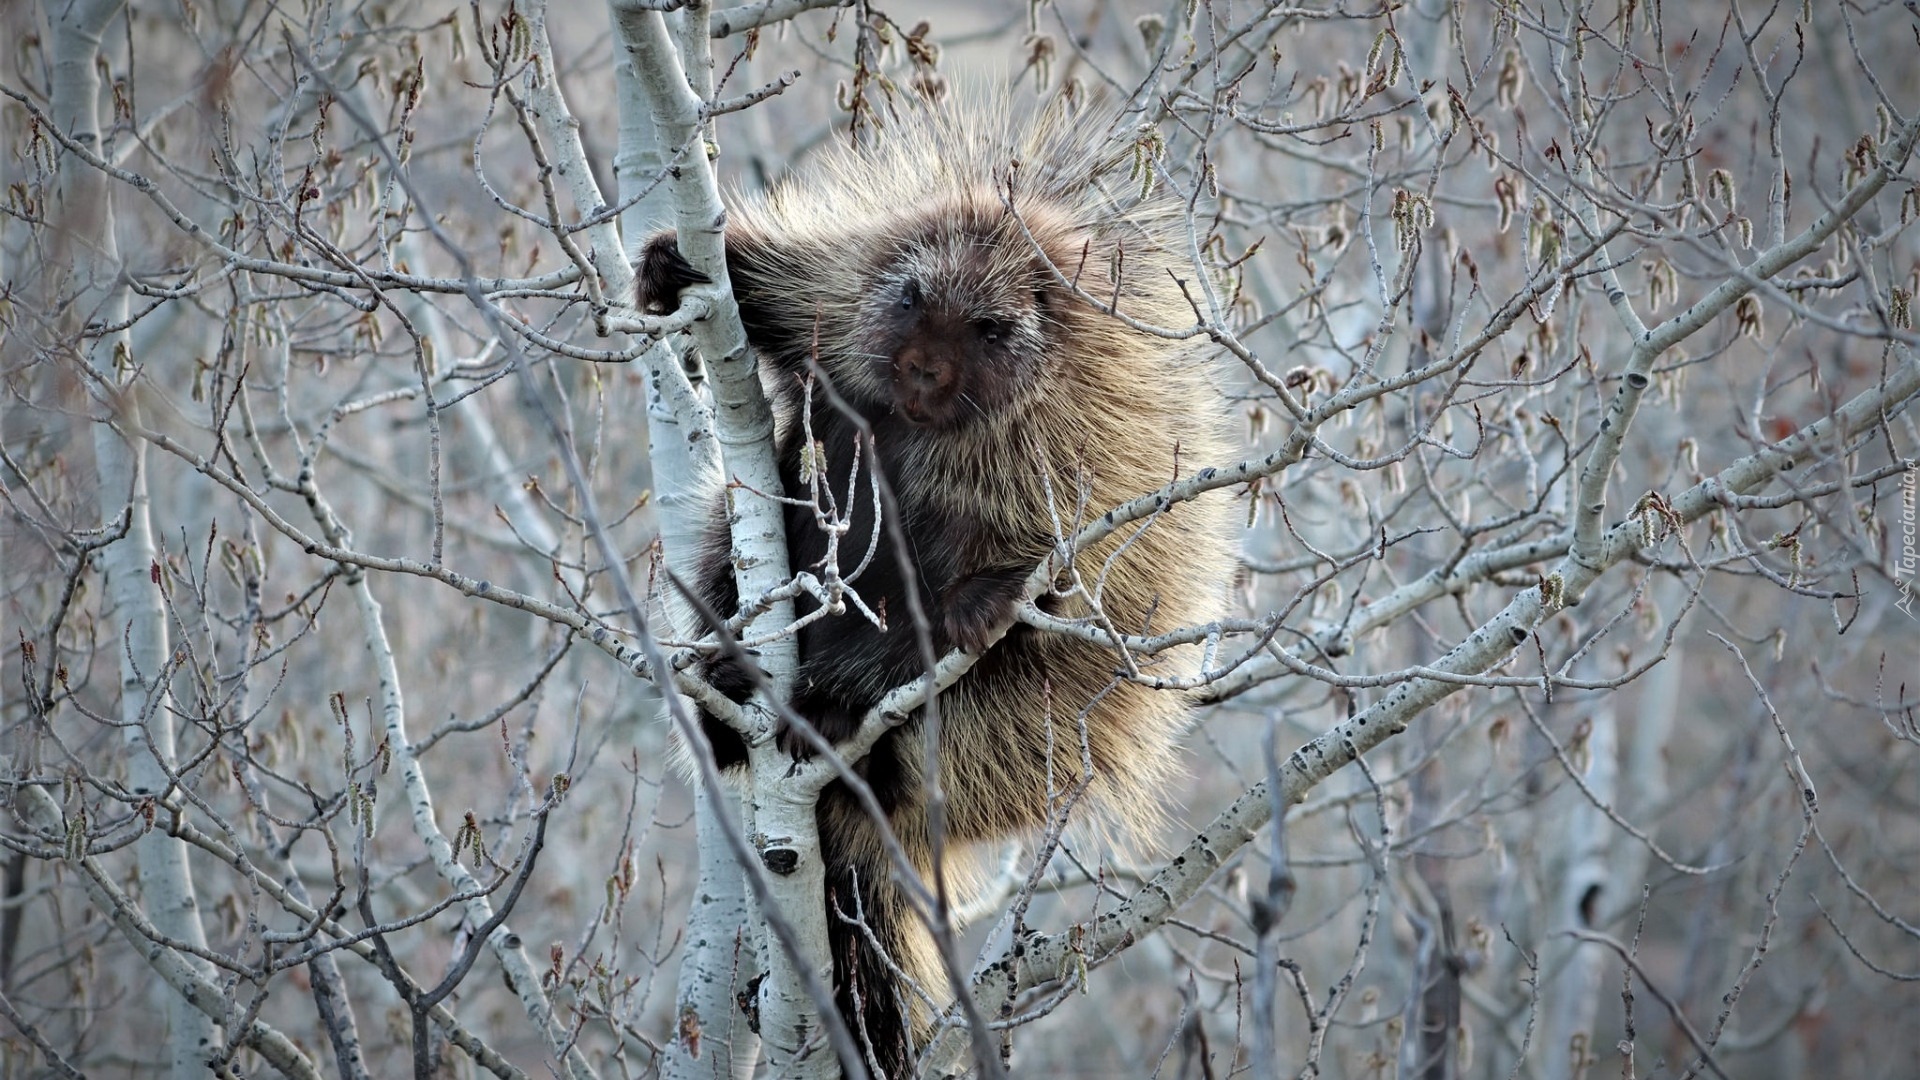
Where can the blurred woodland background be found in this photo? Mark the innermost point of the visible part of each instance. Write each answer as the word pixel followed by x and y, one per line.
pixel 1571 342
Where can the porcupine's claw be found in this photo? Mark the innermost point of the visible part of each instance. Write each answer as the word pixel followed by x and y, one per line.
pixel 663 273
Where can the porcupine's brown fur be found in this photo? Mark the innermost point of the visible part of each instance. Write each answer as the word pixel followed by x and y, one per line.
pixel 929 310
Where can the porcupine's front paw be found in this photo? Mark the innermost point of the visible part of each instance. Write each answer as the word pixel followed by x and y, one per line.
pixel 662 273
pixel 733 675
pixel 973 606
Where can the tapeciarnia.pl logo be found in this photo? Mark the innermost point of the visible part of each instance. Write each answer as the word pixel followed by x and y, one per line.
pixel 1903 567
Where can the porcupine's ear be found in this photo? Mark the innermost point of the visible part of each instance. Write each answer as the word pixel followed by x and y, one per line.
pixel 662 273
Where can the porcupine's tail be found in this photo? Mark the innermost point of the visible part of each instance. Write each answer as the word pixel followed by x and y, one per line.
pixel 876 937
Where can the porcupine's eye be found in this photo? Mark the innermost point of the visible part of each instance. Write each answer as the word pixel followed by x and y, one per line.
pixel 909 295
pixel 991 333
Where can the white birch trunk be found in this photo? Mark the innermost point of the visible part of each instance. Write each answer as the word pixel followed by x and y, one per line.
pixel 721 953
pixel 676 74
pixel 138 617
pixel 1583 892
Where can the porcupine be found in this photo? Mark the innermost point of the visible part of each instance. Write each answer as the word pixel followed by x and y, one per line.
pixel 1004 407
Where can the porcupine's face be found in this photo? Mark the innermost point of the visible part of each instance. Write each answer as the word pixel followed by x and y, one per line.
pixel 955 322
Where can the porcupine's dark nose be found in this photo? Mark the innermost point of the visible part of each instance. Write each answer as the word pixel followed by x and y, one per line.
pixel 924 374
